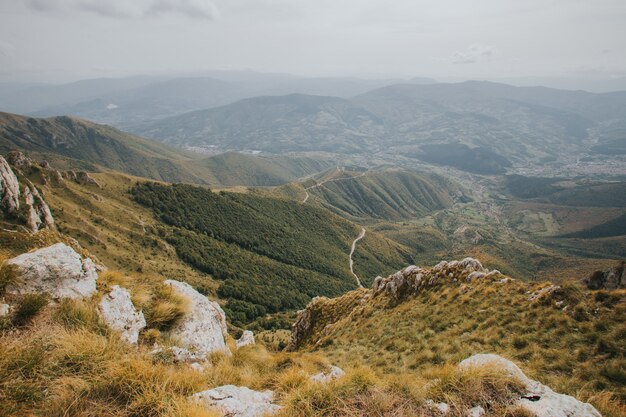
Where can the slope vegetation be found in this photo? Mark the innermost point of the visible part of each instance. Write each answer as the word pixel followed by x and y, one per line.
pixel 271 255
pixel 418 317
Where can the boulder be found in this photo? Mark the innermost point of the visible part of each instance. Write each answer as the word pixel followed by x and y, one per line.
pixel 439 408
pixel 203 328
pixel 333 373
pixel 538 399
pixel 236 401
pixel 9 188
pixel 19 160
pixel 543 294
pixel 57 270
pixel 247 338
pixel 117 310
pixel 610 279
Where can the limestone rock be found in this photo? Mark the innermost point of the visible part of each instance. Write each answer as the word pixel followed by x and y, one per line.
pixel 247 338
pixel 9 188
pixel 544 293
pixel 440 408
pixel 118 311
pixel 57 270
pixel 5 309
pixel 38 213
pixel 203 329
pixel 83 177
pixel 334 372
pixel 19 160
pixel 477 411
pixel 611 279
pixel 538 399
pixel 236 401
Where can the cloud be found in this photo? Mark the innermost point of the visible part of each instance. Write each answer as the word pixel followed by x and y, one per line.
pixel 6 49
pixel 473 54
pixel 197 9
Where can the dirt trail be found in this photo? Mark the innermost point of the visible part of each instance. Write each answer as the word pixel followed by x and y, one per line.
pixel 319 184
pixel 361 235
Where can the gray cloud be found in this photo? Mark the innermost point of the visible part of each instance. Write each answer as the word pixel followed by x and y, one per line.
pixel 201 9
pixel 6 49
pixel 473 54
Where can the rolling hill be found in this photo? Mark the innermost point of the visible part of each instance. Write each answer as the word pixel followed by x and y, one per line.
pixel 69 143
pixel 502 124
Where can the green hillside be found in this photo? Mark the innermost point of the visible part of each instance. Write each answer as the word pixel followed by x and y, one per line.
pixel 389 195
pixel 270 254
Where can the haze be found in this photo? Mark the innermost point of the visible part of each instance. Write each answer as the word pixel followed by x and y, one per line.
pixel 64 40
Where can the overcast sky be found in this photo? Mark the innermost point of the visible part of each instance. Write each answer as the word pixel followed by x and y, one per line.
pixel 66 39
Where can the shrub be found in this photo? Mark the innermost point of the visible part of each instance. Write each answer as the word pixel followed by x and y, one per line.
pixel 28 308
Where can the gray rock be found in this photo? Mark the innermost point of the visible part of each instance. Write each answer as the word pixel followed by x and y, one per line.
pixel 9 188
pixel 544 293
pixel 333 373
pixel 477 411
pixel 118 311
pixel 38 213
pixel 538 399
pixel 236 401
pixel 5 309
pixel 610 279
pixel 57 270
pixel 203 328
pixel 247 338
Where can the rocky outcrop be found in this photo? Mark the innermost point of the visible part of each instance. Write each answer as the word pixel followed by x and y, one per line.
pixel 203 328
pixel 9 188
pixel 18 160
pixel 537 399
pixel 318 316
pixel 334 372
pixel 119 313
pixel 546 293
pixel 38 215
pixel 236 401
pixel 246 339
pixel 57 270
pixel 413 279
pixel 611 279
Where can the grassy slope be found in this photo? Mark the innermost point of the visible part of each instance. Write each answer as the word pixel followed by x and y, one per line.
pixel 389 195
pixel 70 143
pixel 446 323
pixel 271 254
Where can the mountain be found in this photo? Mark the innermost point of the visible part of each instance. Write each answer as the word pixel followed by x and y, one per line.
pixel 126 102
pixel 507 126
pixel 69 143
pixel 293 123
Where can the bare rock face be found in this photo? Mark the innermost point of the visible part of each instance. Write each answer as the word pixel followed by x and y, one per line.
pixel 38 213
pixel 203 329
pixel 538 399
pixel 83 177
pixel 19 160
pixel 118 311
pixel 247 338
pixel 611 279
pixel 9 188
pixel 57 270
pixel 334 372
pixel 5 309
pixel 236 401
pixel 413 279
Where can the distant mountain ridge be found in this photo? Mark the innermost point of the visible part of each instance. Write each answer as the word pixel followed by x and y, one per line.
pixel 519 125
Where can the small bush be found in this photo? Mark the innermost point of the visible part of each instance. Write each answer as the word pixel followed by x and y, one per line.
pixel 8 277
pixel 165 309
pixel 28 308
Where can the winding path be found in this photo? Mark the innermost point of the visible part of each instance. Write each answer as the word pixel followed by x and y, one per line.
pixel 361 235
pixel 319 184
